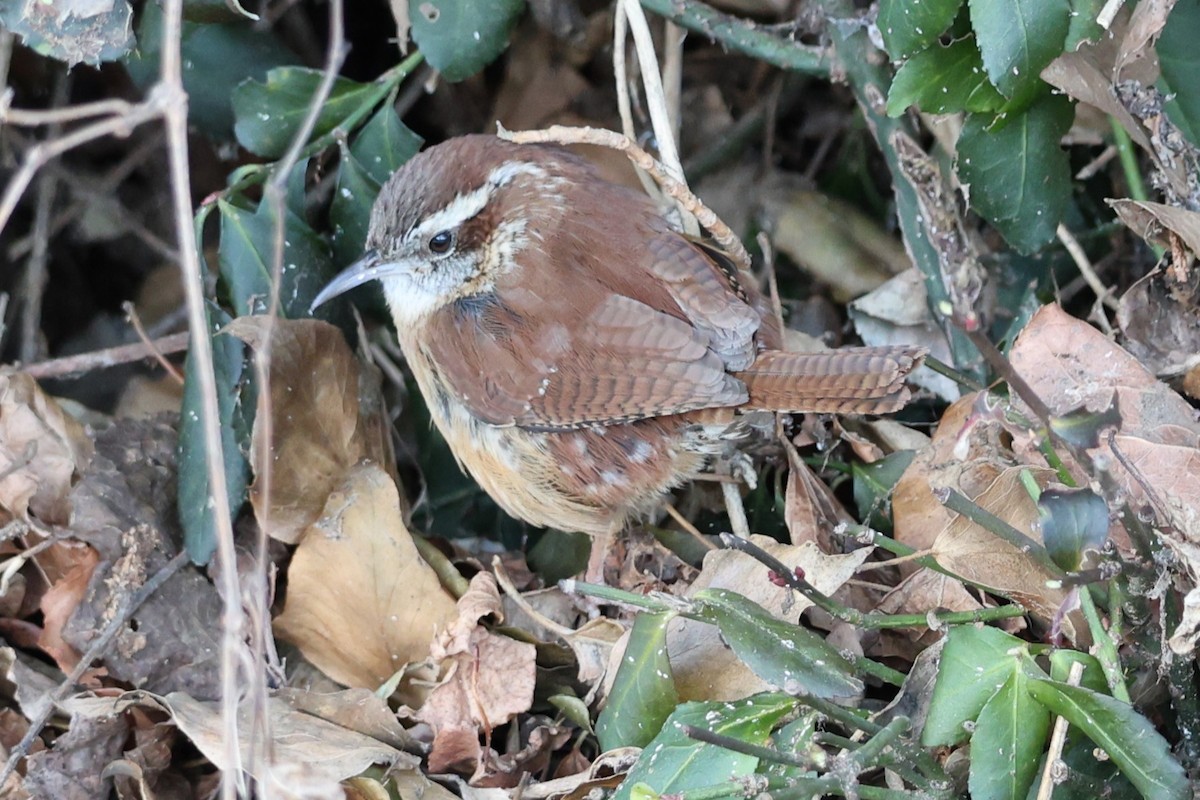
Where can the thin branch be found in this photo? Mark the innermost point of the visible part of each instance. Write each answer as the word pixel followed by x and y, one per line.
pixel 169 98
pixel 71 366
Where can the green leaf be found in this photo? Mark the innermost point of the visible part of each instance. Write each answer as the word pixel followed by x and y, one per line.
pixel 461 37
pixel 1093 674
pixel 1083 27
pixel 975 664
pixel 384 143
pixel 195 507
pixel 54 29
pixel 268 115
pixel 784 655
pixel 246 254
pixel 1073 521
pixel 1018 38
pixel 1019 176
pixel 873 484
pixel 908 28
pixel 675 763
pixel 1142 755
pixel 1010 735
pixel 1082 427
pixel 942 80
pixel 350 210
pixel 216 58
pixel 643 693
pixel 1179 61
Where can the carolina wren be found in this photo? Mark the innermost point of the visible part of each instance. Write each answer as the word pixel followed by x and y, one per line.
pixel 580 356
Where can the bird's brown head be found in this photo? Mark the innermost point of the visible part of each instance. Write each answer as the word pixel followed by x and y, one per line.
pixel 451 220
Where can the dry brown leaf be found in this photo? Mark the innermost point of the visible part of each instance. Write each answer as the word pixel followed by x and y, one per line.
pixel 42 452
pixel 1160 321
pixel 969 454
pixel 1136 58
pixel 810 509
pixel 704 668
pixel 73 769
pixel 316 423
pixel 59 603
pixel 1069 364
pixel 361 601
pixel 488 680
pixel 308 756
pixel 916 515
pixel 359 710
pixel 967 549
pixel 1151 220
pixel 921 592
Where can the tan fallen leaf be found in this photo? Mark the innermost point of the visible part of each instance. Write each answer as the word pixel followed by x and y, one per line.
pixel 361 601
pixel 487 680
pixel 318 429
pixel 42 452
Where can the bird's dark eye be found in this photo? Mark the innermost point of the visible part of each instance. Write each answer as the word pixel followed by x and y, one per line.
pixel 441 242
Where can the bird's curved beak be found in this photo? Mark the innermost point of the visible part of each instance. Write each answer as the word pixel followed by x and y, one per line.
pixel 368 268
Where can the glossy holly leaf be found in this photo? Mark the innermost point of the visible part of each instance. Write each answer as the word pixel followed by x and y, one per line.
pixel 1083 26
pixel 194 492
pixel 215 59
pixel 674 763
pixel 246 254
pixel 1083 428
pixel 1128 738
pixel 1092 676
pixel 975 664
pixel 783 654
pixel 643 693
pixel 1073 521
pixel 350 210
pixel 873 484
pixel 1010 734
pixel 1017 38
pixel 943 80
pixel 1179 61
pixel 72 32
pixel 461 37
pixel 908 28
pixel 384 143
pixel 268 115
pixel 1019 176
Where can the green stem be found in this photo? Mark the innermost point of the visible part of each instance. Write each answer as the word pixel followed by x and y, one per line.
pixel 1129 164
pixel 742 36
pixel 1106 649
pixel 955 501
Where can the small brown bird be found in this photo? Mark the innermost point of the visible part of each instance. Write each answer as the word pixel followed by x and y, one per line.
pixel 579 355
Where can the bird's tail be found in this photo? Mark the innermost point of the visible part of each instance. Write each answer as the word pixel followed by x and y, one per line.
pixel 860 380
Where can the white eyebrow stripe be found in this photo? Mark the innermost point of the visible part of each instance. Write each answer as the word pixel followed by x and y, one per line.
pixel 460 209
pixel 511 169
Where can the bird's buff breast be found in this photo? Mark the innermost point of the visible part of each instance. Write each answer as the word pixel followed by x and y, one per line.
pixel 591 480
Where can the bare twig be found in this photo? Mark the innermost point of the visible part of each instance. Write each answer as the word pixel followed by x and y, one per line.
pixel 1084 264
pixel 170 100
pixel 70 366
pixel 275 195
pixel 136 321
pixel 1058 739
pixel 33 282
